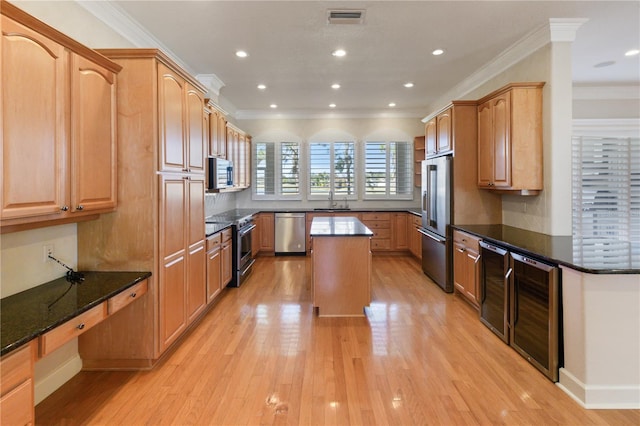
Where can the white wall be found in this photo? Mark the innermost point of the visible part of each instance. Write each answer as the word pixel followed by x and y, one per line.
pixel 304 130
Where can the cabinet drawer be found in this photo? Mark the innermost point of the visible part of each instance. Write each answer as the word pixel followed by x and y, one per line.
pixel 377 224
pixel 16 407
pixel 380 244
pixel 15 368
pixel 60 335
pixel 469 241
pixel 376 216
pixel 416 220
pixel 121 300
pixel 214 240
pixel 226 235
pixel 381 233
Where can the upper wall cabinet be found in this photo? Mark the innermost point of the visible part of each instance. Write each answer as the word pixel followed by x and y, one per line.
pixel 181 123
pixel 438 135
pixel 239 153
pixel 510 139
pixel 58 126
pixel 217 131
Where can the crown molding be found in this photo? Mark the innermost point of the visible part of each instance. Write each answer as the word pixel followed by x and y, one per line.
pixel 305 115
pixel 564 29
pixel 213 83
pixel 130 29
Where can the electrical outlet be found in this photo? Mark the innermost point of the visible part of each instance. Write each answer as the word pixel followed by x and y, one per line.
pixel 47 250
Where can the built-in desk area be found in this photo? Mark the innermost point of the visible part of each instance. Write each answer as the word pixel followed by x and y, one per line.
pixel 341 266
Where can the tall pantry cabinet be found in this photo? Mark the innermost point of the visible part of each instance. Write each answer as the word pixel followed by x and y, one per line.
pixel 159 224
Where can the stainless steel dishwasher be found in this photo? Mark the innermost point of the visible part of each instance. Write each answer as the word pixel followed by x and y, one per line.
pixel 290 238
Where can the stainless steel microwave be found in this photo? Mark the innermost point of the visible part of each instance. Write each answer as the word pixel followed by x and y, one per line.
pixel 219 174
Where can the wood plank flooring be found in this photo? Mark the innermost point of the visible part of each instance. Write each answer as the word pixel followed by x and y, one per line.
pixel 261 356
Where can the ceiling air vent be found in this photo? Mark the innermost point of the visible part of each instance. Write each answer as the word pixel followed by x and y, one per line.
pixel 345 16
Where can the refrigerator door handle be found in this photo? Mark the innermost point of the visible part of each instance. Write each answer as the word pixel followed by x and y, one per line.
pixel 424 201
pixel 432 184
pixel 426 234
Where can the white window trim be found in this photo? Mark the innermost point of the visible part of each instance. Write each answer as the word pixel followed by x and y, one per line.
pixel 356 184
pixel 278 196
pixel 363 168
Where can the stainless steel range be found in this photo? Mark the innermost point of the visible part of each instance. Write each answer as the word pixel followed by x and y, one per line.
pixel 242 226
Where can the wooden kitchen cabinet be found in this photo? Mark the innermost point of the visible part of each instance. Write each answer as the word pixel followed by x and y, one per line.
pixel 438 134
pixel 415 238
pixel 181 126
pixel 400 235
pixel 159 224
pixel 60 167
pixel 418 157
pixel 16 383
pixel 227 251
pixel 239 152
pixel 510 139
pixel 267 233
pixel 214 266
pixel 217 131
pixel 380 224
pixel 466 266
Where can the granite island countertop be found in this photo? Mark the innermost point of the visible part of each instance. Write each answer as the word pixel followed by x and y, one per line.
pixel 343 226
pixel 594 256
pixel 31 313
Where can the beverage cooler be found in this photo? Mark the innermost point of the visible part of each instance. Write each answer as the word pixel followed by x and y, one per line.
pixel 520 303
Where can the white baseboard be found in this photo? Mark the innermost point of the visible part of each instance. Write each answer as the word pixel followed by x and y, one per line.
pixel 619 397
pixel 49 384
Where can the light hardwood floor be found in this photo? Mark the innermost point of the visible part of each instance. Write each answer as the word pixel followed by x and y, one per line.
pixel 261 356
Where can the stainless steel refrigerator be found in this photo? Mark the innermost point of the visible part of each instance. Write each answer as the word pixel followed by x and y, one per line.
pixel 436 218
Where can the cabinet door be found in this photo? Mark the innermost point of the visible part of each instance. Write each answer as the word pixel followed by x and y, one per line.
pixel 195 147
pixel 93 136
pixel 501 113
pixel 226 263
pixel 445 140
pixel 241 163
pixel 485 145
pixel 196 281
pixel 459 267
pixel 247 161
pixel 255 235
pixel 222 136
pixel 34 145
pixel 400 235
pixel 173 273
pixel 171 100
pixel 267 232
pixel 430 137
pixel 196 262
pixel 214 273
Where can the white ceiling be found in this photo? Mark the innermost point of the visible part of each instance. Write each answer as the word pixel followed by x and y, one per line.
pixel 290 44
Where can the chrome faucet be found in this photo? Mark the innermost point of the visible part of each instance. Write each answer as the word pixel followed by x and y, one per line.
pixel 332 203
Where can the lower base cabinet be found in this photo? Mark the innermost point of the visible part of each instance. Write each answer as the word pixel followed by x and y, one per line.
pixel 214 267
pixel 16 397
pixel 466 266
pixel 415 237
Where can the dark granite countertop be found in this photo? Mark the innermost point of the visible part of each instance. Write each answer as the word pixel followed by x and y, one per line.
pixel 31 313
pixel 586 255
pixel 344 226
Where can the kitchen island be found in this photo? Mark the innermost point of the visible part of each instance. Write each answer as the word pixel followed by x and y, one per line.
pixel 341 266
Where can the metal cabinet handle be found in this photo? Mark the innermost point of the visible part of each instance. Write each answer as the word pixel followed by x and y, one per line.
pixel 133 295
pixel 80 326
pixel 80 207
pixel 64 208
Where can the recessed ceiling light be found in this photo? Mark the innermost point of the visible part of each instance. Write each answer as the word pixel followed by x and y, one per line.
pixel 335 86
pixel 392 104
pixel 241 54
pixel 339 53
pixel 604 64
pixel 632 52
pixel 274 106
pixel 437 52
pixel 262 86
pixel 408 85
pixel 332 105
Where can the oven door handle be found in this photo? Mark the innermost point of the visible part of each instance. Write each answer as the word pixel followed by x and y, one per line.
pixel 242 232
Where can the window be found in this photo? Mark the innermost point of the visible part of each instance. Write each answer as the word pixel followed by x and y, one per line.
pixel 606 199
pixel 388 170
pixel 332 168
pixel 276 170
